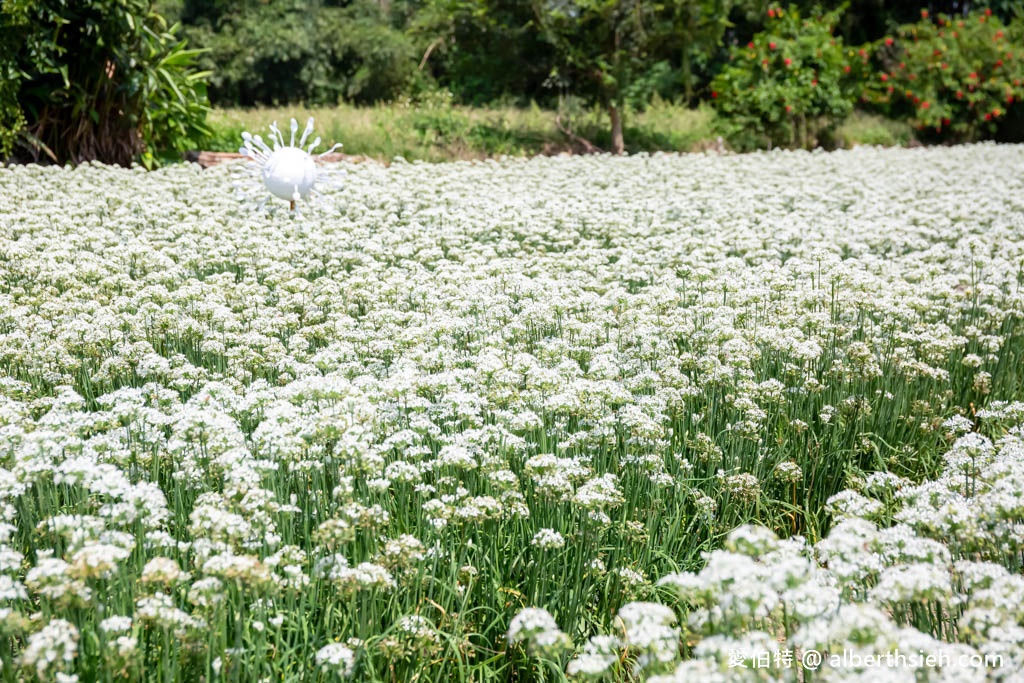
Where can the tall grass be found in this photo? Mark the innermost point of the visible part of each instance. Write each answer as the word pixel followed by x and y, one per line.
pixel 437 130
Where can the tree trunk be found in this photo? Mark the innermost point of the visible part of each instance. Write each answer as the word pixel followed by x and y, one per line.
pixel 618 146
pixel 687 69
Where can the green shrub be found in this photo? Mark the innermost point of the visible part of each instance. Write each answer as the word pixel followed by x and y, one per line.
pixel 292 51
pixel 373 61
pixel 93 79
pixel 863 128
pixel 787 87
pixel 952 79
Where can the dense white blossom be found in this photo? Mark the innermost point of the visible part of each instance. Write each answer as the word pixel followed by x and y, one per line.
pixel 336 658
pixel 443 393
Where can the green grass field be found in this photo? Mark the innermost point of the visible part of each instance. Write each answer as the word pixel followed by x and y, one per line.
pixel 440 131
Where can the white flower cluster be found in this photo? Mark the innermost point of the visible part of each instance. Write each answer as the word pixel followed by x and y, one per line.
pixel 537 628
pixel 336 658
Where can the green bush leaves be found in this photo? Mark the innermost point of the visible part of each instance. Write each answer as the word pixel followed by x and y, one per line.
pixel 955 78
pixel 96 80
pixel 787 87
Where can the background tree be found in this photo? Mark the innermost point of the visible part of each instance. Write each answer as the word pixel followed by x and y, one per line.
pixel 786 87
pixel 601 46
pixel 94 79
pixel 955 78
pixel 864 21
pixel 697 27
pixel 606 48
pixel 111 79
pixel 290 51
pixel 483 50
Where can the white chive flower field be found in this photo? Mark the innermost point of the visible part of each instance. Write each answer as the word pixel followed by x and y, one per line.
pixel 651 418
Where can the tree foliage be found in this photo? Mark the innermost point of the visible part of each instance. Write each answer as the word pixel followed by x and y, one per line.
pixel 696 28
pixel 483 50
pixel 607 48
pixel 787 86
pixel 96 79
pixel 294 51
pixel 616 54
pixel 113 80
pixel 954 78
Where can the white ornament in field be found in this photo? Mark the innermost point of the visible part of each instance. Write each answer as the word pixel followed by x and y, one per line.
pixel 288 171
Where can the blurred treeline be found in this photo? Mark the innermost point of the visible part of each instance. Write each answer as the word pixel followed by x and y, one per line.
pixel 512 52
pixel 128 81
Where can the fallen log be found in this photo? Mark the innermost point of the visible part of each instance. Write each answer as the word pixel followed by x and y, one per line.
pixel 208 159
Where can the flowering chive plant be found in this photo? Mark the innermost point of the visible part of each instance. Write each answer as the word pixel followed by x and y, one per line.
pixel 288 171
pixel 234 450
pixel 929 570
